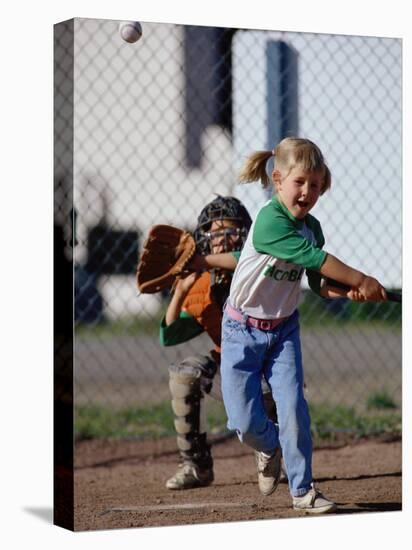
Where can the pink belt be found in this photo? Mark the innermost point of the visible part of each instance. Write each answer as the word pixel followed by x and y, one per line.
pixel 261 324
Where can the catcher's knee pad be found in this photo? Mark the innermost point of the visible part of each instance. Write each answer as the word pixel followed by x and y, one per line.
pixel 207 367
pixel 186 387
pixel 187 395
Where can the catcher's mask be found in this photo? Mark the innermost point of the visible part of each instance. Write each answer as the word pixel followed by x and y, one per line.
pixel 220 209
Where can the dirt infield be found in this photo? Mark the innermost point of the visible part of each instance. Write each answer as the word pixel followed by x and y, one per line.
pixel 120 484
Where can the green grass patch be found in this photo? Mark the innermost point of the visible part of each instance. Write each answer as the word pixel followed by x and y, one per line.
pixel 380 401
pixel 123 327
pixel 330 422
pixel 95 421
pixel 315 311
pixel 155 421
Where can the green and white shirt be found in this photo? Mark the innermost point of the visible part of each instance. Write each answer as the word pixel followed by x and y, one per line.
pixel 279 248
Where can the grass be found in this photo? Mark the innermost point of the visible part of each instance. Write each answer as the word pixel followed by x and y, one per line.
pixel 380 401
pixel 95 421
pixel 331 422
pixel 315 311
pixel 122 327
pixel 328 422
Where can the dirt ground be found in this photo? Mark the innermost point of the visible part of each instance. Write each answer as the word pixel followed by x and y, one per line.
pixel 120 484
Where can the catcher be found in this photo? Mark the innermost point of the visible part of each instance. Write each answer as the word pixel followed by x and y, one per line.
pixel 196 307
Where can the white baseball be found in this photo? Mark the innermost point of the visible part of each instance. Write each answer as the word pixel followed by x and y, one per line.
pixel 130 31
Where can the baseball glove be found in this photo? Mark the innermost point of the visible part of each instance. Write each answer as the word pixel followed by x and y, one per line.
pixel 166 253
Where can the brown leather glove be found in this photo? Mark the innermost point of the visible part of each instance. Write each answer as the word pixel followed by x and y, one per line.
pixel 166 254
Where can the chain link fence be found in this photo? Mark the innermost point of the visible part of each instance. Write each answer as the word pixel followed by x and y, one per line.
pixel 162 125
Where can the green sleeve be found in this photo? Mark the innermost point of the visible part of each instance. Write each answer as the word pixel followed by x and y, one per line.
pixel 183 329
pixel 277 235
pixel 315 226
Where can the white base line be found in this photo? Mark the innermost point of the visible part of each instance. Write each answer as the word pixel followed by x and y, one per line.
pixel 189 506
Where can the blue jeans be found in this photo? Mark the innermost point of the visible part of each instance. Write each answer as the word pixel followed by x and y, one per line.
pixel 248 352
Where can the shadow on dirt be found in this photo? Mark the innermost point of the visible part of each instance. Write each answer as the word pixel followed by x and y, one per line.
pixel 142 458
pixel 362 507
pixel 322 479
pixel 359 477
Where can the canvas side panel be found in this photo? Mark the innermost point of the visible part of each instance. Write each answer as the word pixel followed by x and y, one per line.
pixel 63 275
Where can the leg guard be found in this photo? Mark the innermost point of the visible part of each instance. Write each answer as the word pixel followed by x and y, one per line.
pixel 187 385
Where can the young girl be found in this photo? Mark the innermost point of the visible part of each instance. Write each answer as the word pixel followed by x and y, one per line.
pixel 260 328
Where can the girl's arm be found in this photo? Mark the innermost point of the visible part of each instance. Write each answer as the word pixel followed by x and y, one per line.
pixel 329 291
pixel 362 285
pixel 225 260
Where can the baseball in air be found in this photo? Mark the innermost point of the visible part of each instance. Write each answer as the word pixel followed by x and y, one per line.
pixel 130 31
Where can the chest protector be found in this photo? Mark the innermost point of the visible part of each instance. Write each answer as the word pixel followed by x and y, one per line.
pixel 200 305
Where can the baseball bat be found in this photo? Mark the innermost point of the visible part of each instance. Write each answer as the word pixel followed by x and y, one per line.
pixel 392 296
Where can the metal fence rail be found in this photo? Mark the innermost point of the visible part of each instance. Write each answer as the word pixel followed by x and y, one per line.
pixel 161 125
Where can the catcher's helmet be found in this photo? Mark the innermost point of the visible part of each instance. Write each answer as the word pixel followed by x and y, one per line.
pixel 221 208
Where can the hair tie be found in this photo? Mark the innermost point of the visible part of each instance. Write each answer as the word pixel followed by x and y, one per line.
pixel 273 152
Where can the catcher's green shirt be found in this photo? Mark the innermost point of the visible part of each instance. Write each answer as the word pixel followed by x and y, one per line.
pixel 278 250
pixel 186 327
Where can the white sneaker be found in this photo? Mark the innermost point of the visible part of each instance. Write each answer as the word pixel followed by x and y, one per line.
pixel 269 470
pixel 313 502
pixel 189 476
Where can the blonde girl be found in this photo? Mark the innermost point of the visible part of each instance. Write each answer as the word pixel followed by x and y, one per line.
pixel 260 328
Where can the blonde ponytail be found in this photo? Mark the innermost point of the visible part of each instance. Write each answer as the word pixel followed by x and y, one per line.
pixel 254 168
